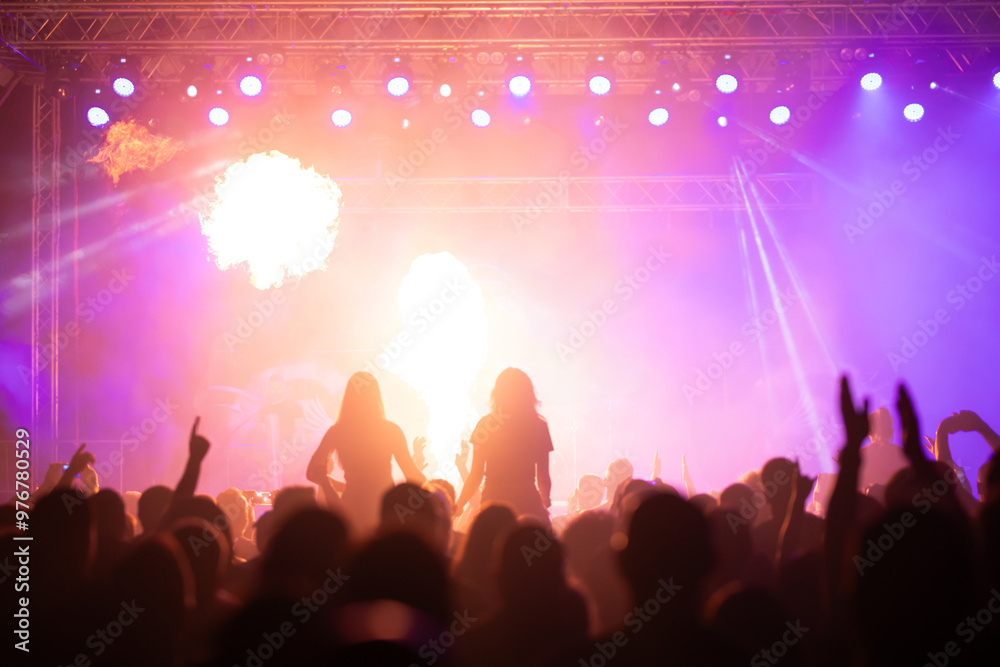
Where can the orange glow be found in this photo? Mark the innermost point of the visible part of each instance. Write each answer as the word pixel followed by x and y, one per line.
pixel 129 146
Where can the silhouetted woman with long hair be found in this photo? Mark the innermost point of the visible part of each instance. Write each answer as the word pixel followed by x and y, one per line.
pixel 511 448
pixel 365 443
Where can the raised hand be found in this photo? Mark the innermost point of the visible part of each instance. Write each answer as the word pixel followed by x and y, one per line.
pixel 81 459
pixel 419 449
pixel 966 421
pixel 462 456
pixel 855 421
pixel 197 445
pixel 658 465
pixel 911 428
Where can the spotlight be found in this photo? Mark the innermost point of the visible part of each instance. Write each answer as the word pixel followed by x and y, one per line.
pixel 397 78
pixel 195 80
pixel 780 115
pixel 251 85
pixel 480 118
pixel 124 78
pixel 97 116
pixel 913 112
pixel 600 77
pixel 723 121
pixel 341 118
pixel 996 79
pixel 398 86
pixel 871 81
pixel 218 116
pixel 658 116
pixel 727 83
pixel 449 79
pixel 519 85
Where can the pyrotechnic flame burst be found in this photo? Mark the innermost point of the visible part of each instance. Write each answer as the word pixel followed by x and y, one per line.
pixel 273 215
pixel 129 146
pixel 445 317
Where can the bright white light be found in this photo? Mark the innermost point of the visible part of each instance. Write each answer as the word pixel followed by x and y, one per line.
pixel 780 115
pixel 123 86
pixel 599 84
pixel 480 118
pixel 445 90
pixel 273 216
pixel 519 85
pixel 341 117
pixel 658 116
pixel 996 80
pixel 398 86
pixel 251 86
pixel 97 116
pixel 192 91
pixel 727 83
pixel 446 328
pixel 218 116
pixel 723 121
pixel 675 87
pixel 913 112
pixel 871 81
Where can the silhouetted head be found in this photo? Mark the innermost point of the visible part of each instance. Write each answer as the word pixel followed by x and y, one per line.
pixel 235 506
pixel 490 527
pixel 153 504
pixel 988 480
pixel 667 537
pixel 513 394
pixel 207 552
pixel 531 565
pixel 362 402
pixel 619 470
pixel 778 477
pixel 309 546
pixel 403 568
pixel 589 492
pixel 108 511
pixel 735 495
pixel 704 502
pixel 444 489
pixel 413 509
pixel 880 425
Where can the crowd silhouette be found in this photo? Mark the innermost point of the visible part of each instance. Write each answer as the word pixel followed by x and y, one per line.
pixel 894 560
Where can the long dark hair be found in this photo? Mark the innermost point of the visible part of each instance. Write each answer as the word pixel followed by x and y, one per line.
pixel 362 402
pixel 513 394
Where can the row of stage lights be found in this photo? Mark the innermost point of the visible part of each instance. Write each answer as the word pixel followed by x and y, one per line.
pixel 398 83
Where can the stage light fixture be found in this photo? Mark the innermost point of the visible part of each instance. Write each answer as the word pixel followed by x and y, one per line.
pixel 658 116
pixel 195 79
pixel 98 116
pixel 480 118
pixel 519 85
pixel 913 112
pixel 449 79
pixel 519 76
pixel 996 78
pixel 600 77
pixel 726 84
pixel 780 115
pixel 398 78
pixel 871 81
pixel 124 78
pixel 341 118
pixel 218 116
pixel 722 121
pixel 251 85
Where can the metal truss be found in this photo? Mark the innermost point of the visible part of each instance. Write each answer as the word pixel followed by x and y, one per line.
pixel 45 260
pixel 561 40
pixel 525 200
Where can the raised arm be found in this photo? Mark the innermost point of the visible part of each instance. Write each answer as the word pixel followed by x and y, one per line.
pixel 475 477
pixel 402 455
pixel 318 462
pixel 197 450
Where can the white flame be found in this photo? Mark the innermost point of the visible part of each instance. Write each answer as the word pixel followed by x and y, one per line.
pixel 273 215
